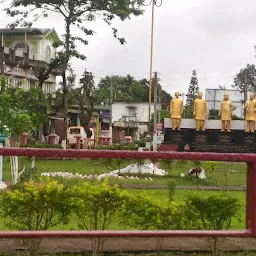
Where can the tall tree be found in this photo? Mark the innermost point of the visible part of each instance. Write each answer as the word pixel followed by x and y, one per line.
pixel 75 13
pixel 245 80
pixel 20 111
pixel 86 97
pixel 193 89
pixel 128 89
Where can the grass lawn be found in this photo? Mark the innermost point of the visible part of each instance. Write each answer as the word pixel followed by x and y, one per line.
pixel 225 173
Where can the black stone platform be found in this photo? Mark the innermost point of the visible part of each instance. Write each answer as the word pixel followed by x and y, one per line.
pixel 211 141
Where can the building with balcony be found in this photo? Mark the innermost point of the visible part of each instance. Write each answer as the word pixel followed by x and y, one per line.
pixel 130 118
pixel 26 52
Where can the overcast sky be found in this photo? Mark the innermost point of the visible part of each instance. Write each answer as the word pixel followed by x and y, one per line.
pixel 215 37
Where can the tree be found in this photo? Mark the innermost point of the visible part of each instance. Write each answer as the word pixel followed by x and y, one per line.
pixel 128 89
pixel 245 80
pixel 20 111
pixel 42 72
pixel 214 114
pixel 86 97
pixel 191 95
pixel 75 13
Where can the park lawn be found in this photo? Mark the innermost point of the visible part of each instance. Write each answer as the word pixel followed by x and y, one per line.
pixel 225 173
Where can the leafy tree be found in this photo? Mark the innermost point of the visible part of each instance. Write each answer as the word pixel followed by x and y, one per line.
pixel 75 13
pixel 191 95
pixel 214 114
pixel 128 89
pixel 246 79
pixel 57 106
pixel 35 207
pixel 86 98
pixel 20 111
pixel 42 72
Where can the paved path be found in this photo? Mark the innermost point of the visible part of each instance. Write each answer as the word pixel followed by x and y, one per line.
pixel 8 246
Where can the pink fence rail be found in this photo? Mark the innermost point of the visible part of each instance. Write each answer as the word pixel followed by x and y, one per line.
pixel 250 159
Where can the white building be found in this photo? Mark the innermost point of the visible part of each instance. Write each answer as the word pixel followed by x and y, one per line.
pixel 215 96
pixel 132 115
pixel 24 52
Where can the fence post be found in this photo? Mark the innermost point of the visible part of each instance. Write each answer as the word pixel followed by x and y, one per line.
pixel 251 198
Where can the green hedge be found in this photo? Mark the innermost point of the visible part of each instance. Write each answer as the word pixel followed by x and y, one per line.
pixel 117 147
pixel 40 146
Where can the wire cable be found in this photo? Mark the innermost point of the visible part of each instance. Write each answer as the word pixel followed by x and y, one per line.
pixel 148 3
pixel 155 2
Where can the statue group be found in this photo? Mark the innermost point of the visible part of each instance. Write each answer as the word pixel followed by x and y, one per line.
pixel 225 112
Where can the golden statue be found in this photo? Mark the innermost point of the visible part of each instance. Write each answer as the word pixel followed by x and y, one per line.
pixel 200 111
pixel 176 110
pixel 250 112
pixel 226 113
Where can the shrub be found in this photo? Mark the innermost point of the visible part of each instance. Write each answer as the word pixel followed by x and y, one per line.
pixel 96 207
pixel 211 166
pixel 117 147
pixel 211 213
pixel 40 146
pixel 34 207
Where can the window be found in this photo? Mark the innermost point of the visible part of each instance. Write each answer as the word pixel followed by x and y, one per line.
pixel 47 87
pixel 17 82
pixel 18 70
pixel 21 47
pixel 28 85
pixel 132 112
pixel 48 54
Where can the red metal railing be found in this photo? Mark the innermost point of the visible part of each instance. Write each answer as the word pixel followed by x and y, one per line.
pixel 250 159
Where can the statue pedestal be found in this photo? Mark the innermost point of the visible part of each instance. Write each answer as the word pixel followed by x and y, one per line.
pixel 189 140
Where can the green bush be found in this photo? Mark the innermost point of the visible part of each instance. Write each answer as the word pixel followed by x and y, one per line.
pixel 211 213
pixel 34 207
pixel 40 146
pixel 96 207
pixel 117 147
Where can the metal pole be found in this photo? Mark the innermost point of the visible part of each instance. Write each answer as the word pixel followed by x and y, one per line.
pixel 155 113
pixel 151 65
pixel 111 103
pixel 159 105
pixel 155 101
pixel 2 55
pixel 245 90
pixel 1 164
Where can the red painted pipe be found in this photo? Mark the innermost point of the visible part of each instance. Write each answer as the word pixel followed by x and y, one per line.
pixel 251 191
pixel 125 154
pixel 90 234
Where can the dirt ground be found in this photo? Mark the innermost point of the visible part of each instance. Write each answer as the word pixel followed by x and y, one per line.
pixel 9 246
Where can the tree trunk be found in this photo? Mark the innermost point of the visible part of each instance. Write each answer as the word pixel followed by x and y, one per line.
pixel 65 105
pixel 64 84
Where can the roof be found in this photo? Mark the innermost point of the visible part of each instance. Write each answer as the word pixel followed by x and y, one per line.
pixel 30 32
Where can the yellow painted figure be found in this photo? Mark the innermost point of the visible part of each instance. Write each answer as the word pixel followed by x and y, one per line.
pixel 226 113
pixel 176 110
pixel 250 113
pixel 200 110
